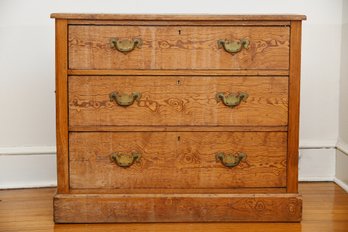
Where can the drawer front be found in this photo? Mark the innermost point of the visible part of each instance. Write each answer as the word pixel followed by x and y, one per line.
pixel 178 47
pixel 177 160
pixel 177 101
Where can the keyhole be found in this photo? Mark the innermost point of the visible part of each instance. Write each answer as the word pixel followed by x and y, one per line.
pixel 178 138
pixel 179 32
pixel 178 82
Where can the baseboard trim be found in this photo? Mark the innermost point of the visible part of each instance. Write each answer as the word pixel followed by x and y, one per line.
pixel 342 146
pixel 311 144
pixel 19 185
pixel 35 150
pixel 341 184
pixel 316 179
pixel 27 169
pixel 317 164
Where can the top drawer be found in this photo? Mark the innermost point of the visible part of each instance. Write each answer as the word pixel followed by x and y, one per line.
pixel 178 47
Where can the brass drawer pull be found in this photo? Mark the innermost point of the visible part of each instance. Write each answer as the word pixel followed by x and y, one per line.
pixel 233 46
pixel 230 160
pixel 125 45
pixel 231 100
pixel 124 99
pixel 125 160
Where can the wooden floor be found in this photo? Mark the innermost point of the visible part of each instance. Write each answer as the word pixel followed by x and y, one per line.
pixel 325 209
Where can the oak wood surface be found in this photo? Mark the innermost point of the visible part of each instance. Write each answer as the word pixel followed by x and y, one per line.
pixel 179 72
pixel 177 160
pixel 294 107
pixel 62 106
pixel 178 47
pixel 177 101
pixel 180 191
pixel 190 17
pixel 178 128
pixel 325 209
pixel 178 69
pixel 180 22
pixel 97 208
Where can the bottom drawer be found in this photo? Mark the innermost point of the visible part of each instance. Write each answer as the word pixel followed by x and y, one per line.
pixel 187 160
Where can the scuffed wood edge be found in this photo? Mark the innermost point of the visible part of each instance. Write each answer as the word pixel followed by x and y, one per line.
pixel 191 17
pixel 99 208
pixel 62 106
pixel 294 107
pixel 180 22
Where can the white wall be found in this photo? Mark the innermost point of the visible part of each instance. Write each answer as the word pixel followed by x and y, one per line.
pixel 27 116
pixel 342 145
pixel 343 110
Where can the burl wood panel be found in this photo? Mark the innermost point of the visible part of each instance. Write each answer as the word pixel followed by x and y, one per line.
pixel 178 47
pixel 94 208
pixel 177 101
pixel 177 159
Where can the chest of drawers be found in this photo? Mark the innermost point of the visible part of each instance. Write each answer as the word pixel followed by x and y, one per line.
pixel 177 118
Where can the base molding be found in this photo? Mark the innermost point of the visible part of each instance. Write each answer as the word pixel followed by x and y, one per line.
pixel 101 208
pixel 341 183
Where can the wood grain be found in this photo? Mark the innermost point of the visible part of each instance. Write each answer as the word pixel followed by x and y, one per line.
pixel 121 22
pixel 183 47
pixel 178 128
pixel 170 17
pixel 178 72
pixel 294 107
pixel 96 208
pixel 62 106
pixel 177 160
pixel 180 191
pixel 177 101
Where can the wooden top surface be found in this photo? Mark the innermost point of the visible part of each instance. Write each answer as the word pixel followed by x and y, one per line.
pixel 174 17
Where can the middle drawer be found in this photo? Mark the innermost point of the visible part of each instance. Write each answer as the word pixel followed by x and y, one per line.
pixel 177 101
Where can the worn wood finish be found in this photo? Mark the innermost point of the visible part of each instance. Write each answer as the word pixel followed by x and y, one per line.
pixel 180 191
pixel 172 47
pixel 175 17
pixel 178 128
pixel 180 22
pixel 62 106
pixel 294 107
pixel 178 72
pixel 176 207
pixel 177 160
pixel 325 208
pixel 177 101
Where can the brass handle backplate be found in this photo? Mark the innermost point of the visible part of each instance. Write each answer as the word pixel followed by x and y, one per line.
pixel 125 160
pixel 125 45
pixel 230 160
pixel 233 46
pixel 124 99
pixel 231 100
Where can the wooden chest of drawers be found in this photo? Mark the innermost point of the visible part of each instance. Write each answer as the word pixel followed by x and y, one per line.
pixel 177 118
